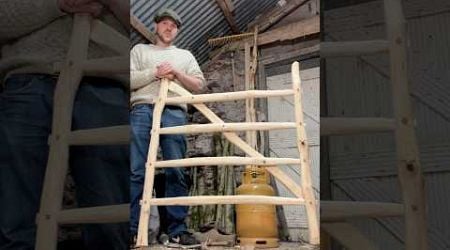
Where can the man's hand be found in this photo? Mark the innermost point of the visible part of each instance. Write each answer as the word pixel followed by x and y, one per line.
pixel 165 70
pixel 81 6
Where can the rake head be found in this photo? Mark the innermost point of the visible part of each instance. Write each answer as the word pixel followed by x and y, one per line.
pixel 229 39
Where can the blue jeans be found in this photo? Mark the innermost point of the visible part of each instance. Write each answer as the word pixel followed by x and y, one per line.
pixel 174 182
pixel 101 173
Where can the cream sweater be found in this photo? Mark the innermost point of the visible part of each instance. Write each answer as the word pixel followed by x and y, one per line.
pixel 143 61
pixel 34 34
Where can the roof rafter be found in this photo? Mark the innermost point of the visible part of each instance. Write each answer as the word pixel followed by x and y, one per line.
pixel 227 8
pixel 142 29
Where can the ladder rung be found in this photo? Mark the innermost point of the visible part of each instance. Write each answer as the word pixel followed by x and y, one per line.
pixel 100 214
pixel 353 48
pixel 226 199
pixel 227 127
pixel 232 96
pixel 105 35
pixel 118 65
pixel 102 66
pixel 230 160
pixel 342 126
pixel 114 135
pixel 341 210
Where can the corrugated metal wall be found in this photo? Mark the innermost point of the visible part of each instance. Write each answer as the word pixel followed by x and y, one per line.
pixel 363 167
pixel 202 19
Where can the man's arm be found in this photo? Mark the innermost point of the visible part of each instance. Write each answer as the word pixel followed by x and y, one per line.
pixel 192 83
pixel 139 77
pixel 20 17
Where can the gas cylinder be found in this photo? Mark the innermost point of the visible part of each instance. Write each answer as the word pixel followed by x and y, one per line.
pixel 256 225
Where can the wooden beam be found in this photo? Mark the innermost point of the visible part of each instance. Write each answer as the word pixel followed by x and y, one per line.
pixel 408 163
pixel 228 96
pixel 142 29
pixel 226 160
pixel 114 135
pixel 353 48
pixel 227 12
pixel 227 127
pixel 344 210
pixel 58 158
pixel 236 140
pixel 305 167
pixel 226 199
pixel 352 125
pixel 270 19
pixel 307 27
pixel 144 219
pixel 101 214
pixel 107 36
pixel 304 28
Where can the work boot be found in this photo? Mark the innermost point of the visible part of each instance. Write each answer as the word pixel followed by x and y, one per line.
pixel 185 239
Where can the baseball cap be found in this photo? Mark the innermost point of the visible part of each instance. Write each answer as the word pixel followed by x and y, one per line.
pixel 168 13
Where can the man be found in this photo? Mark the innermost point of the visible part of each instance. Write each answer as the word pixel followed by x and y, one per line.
pixel 35 35
pixel 149 64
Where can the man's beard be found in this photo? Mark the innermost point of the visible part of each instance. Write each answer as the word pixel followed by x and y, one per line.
pixel 163 38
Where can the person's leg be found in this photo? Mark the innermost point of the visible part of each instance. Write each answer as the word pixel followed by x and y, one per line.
pixel 177 179
pixel 25 123
pixel 160 187
pixel 101 173
pixel 141 122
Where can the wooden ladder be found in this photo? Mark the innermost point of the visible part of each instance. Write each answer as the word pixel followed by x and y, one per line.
pixel 334 214
pixel 71 72
pixel 303 194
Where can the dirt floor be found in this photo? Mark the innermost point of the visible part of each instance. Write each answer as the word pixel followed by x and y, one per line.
pixel 283 246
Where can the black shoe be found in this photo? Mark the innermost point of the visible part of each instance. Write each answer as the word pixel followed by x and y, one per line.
pixel 185 239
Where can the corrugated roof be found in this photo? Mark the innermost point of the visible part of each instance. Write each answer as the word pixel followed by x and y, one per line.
pixel 202 19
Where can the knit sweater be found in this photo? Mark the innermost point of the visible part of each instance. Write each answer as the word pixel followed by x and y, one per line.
pixel 143 61
pixel 36 34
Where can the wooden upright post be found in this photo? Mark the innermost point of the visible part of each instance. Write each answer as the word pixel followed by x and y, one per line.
pixel 142 239
pixel 305 166
pixel 58 160
pixel 408 164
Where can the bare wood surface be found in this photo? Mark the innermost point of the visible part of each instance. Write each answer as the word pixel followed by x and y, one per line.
pixel 230 96
pixel 58 160
pixel 344 210
pixel 353 48
pixel 103 34
pixel 101 214
pixel 226 199
pixel 142 237
pixel 350 125
pixel 227 12
pixel 408 163
pixel 236 140
pixel 305 166
pixel 142 29
pixel 101 136
pixel 226 160
pixel 227 127
pixel 265 22
pixel 301 29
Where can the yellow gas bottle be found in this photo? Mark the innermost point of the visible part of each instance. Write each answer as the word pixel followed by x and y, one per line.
pixel 256 224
